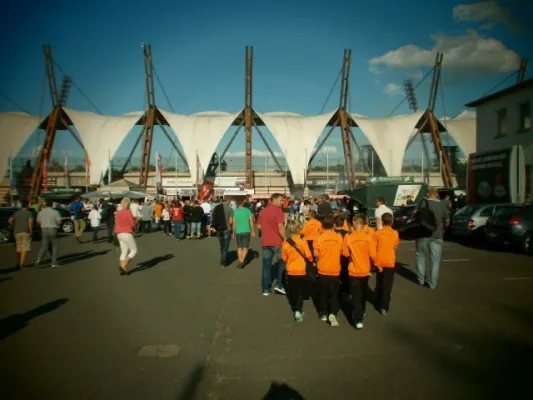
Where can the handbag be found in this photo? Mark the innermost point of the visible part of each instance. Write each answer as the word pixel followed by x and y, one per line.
pixel 310 268
pixel 422 224
pixel 116 243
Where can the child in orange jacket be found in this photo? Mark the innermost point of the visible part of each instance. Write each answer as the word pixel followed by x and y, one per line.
pixel 296 267
pixel 328 251
pixel 339 213
pixel 311 229
pixel 386 241
pixel 360 248
pixel 339 223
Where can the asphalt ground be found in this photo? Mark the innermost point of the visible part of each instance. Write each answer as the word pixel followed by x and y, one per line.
pixel 81 331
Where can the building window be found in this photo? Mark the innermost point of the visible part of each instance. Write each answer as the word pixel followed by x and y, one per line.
pixel 502 122
pixel 525 116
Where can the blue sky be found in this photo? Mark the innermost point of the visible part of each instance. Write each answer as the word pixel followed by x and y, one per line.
pixel 198 50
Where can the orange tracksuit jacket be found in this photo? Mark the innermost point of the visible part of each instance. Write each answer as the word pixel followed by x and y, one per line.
pixel 311 229
pixel 386 241
pixel 359 247
pixel 294 262
pixel 328 249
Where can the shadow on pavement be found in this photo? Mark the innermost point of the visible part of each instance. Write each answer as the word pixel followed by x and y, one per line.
pixel 191 387
pixel 402 270
pixel 5 279
pixel 282 391
pixel 84 255
pixel 232 256
pixel 9 270
pixel 494 366
pixel 14 323
pixel 151 263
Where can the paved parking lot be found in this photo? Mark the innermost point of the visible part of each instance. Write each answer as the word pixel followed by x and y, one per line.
pixel 180 327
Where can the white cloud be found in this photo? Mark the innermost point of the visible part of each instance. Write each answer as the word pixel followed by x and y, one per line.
pixel 466 55
pixel 490 13
pixel 328 149
pixel 255 153
pixel 392 89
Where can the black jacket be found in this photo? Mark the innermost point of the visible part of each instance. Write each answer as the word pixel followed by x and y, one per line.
pixel 197 214
pixel 219 219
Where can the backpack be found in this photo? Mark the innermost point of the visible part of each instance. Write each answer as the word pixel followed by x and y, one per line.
pixel 422 224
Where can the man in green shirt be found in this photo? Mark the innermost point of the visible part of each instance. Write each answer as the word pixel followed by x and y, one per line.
pixel 243 229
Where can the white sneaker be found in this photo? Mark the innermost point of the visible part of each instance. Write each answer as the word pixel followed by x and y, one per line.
pixel 324 318
pixel 280 290
pixel 359 325
pixel 266 294
pixel 333 321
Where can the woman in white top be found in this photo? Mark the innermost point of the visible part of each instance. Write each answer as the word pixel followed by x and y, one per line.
pixel 165 215
pixel 94 218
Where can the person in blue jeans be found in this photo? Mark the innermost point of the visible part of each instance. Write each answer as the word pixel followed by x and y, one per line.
pixel 222 223
pixel 433 243
pixel 271 223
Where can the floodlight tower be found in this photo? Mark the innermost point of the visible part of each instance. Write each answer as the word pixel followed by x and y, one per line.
pixel 522 70
pixel 56 120
pixel 413 105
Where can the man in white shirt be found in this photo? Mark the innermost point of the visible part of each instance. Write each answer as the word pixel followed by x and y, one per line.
pixel 380 210
pixel 207 216
pixel 135 209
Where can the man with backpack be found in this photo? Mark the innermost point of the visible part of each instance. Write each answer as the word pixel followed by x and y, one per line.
pixel 436 214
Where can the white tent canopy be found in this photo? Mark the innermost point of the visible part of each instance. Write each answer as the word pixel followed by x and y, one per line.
pixel 389 138
pixel 199 134
pixel 101 135
pixel 297 136
pixel 15 129
pixel 463 130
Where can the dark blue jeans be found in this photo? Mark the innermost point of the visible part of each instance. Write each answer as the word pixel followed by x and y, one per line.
pixel 272 256
pixel 224 238
pixel 176 225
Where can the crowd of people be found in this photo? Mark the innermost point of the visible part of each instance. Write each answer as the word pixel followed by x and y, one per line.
pixel 317 247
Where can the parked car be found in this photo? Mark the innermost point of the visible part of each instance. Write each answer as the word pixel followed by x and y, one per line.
pixel 67 225
pixel 469 222
pixel 402 215
pixel 6 230
pixel 512 224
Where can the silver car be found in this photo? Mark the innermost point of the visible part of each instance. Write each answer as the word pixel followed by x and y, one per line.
pixel 469 221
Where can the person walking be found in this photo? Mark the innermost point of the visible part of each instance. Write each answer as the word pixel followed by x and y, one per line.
pixel 22 223
pixel 146 212
pixel 206 207
pixel 295 254
pixel 328 251
pixel 433 242
pixel 271 223
pixel 177 219
pixel 77 209
pixel 323 208
pixel 197 216
pixel 187 218
pixel 243 229
pixel 167 222
pixel 107 214
pixel 94 218
pixel 222 222
pixel 124 227
pixel 49 220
